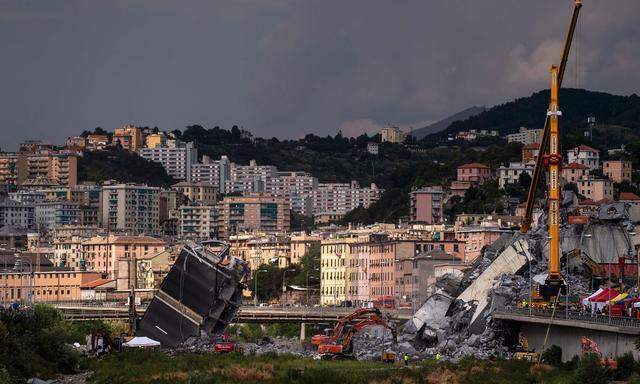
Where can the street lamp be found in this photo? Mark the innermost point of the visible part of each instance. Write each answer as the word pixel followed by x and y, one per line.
pixel 284 276
pixel 314 269
pixel 255 283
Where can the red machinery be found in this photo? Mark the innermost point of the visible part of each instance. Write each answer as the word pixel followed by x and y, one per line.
pixel 338 347
pixel 590 346
pixel 331 335
pixel 224 344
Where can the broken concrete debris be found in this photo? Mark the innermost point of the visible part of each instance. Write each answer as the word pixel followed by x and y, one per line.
pixel 457 325
pixel 201 294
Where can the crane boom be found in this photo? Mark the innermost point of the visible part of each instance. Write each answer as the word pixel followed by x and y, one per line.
pixel 553 161
pixel 544 142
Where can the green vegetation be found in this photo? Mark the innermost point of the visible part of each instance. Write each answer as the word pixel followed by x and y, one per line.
pixel 156 367
pixel 399 168
pixel 35 343
pixel 269 282
pixel 123 166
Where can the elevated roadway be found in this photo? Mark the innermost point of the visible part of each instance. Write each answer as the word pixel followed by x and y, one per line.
pixel 246 314
pixel 615 335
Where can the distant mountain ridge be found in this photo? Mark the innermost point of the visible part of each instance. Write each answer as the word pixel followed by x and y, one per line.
pixel 576 106
pixel 444 123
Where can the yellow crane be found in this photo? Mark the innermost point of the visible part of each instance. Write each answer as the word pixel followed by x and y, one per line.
pixel 553 162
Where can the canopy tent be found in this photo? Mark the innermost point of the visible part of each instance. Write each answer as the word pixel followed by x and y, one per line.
pixel 141 342
pixel 585 301
pixel 618 299
pixel 605 295
pixel 599 301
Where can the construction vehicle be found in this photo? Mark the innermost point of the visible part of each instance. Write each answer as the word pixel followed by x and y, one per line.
pixel 590 346
pixel 555 283
pixel 341 347
pixel 330 335
pixel 388 357
pixel 223 344
pixel 522 350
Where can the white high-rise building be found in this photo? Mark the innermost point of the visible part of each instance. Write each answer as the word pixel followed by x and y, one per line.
pixel 297 188
pixel 197 221
pixel 175 156
pixel 343 197
pixel 213 172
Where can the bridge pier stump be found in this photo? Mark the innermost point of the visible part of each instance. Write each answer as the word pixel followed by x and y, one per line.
pixel 303 331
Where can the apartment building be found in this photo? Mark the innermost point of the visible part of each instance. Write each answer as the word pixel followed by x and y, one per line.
pixel 67 252
pixel 97 142
pixel 300 244
pixel 595 189
pixel 60 167
pixel 103 253
pixel 213 172
pixel 427 205
pixel 176 158
pixel 343 197
pixel 49 286
pixel 334 257
pixel 530 153
pixel 573 172
pixel 584 155
pixel 358 290
pixel 198 221
pixel 129 137
pixel 617 170
pixel 197 192
pixel 252 213
pixel 297 188
pixel 155 140
pixel 477 236
pixel 9 168
pixel 525 136
pixel 51 214
pixel 391 134
pixel 511 174
pixel 16 214
pixel 132 208
pixel 474 172
pixel 250 178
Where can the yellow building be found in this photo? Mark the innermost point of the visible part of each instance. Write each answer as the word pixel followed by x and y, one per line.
pixel 335 254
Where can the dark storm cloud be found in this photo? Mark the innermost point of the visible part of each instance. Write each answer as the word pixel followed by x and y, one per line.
pixel 286 68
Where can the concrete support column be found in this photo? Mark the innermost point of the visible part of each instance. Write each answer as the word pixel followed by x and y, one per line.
pixel 303 331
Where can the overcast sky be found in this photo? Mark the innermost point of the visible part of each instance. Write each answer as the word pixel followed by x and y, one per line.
pixel 286 68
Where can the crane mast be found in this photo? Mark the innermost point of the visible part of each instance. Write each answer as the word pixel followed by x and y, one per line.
pixel 544 142
pixel 553 161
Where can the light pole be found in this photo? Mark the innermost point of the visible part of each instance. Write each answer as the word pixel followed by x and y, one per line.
pixel 255 286
pixel 314 269
pixel 284 287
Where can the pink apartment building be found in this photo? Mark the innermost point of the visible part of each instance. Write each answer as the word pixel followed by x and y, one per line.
pixel 474 172
pixel 427 205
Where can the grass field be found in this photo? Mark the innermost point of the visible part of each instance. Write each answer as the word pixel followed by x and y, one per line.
pixel 157 367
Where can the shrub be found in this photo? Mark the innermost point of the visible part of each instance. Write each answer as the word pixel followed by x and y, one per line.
pixel 590 371
pixel 626 366
pixel 553 356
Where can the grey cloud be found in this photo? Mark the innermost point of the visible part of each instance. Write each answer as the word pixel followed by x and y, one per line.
pixel 286 68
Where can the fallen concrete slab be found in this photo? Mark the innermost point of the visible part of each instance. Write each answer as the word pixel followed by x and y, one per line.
pixel 201 294
pixel 512 259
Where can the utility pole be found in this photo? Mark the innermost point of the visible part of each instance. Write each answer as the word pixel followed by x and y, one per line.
pixel 133 281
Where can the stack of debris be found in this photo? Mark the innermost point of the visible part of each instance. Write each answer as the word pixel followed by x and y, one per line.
pixel 200 295
pixel 456 320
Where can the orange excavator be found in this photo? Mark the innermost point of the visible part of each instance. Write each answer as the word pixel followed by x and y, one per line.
pixel 339 345
pixel 590 346
pixel 331 336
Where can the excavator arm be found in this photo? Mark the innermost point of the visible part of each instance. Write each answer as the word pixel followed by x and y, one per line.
pixel 544 142
pixel 344 348
pixel 342 323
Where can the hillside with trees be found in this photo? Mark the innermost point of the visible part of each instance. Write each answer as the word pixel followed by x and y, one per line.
pixel 399 168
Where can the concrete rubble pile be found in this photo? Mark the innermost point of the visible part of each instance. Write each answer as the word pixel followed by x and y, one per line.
pixel 456 320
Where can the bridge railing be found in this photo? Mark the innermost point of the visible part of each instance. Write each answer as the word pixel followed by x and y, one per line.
pixel 620 321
